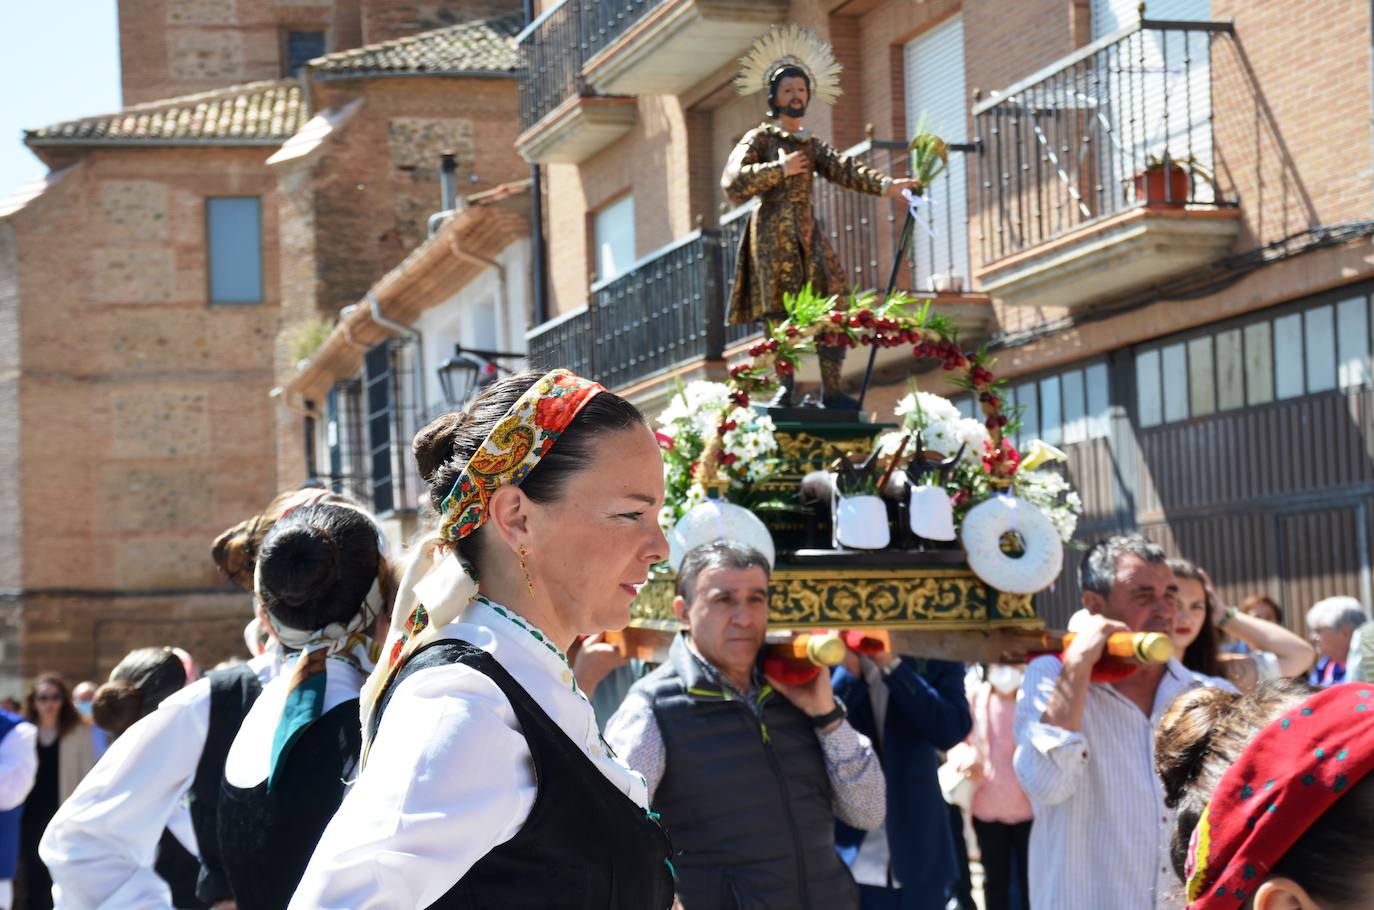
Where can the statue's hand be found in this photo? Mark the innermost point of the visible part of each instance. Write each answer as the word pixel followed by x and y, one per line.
pixel 794 163
pixel 895 188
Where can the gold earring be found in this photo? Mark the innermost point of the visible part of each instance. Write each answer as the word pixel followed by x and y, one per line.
pixel 528 582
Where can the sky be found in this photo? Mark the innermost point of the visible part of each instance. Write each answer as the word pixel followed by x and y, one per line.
pixel 59 59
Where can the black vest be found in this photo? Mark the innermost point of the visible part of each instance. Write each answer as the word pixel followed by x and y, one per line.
pixel 748 804
pixel 266 838
pixel 232 693
pixel 584 846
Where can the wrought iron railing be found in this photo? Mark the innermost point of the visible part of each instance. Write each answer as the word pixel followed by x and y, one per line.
pixel 563 342
pixel 1124 122
pixel 555 46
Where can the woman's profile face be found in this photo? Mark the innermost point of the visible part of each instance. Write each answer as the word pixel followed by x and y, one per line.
pixel 593 547
pixel 47 701
pixel 1190 615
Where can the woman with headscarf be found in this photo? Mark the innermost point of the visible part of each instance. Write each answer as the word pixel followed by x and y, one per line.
pixel 102 845
pixel 319 580
pixel 486 782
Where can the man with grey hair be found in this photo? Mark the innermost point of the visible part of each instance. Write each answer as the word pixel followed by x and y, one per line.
pixel 1332 623
pixel 1085 749
pixel 747 774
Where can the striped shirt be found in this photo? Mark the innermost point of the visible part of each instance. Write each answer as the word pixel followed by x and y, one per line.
pixel 1101 834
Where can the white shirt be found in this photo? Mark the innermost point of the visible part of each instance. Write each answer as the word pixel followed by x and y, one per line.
pixel 449 776
pixel 101 845
pixel 18 765
pixel 1102 832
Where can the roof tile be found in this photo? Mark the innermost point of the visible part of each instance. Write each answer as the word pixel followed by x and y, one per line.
pixel 483 45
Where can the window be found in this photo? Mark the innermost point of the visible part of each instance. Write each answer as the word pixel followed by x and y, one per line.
pixel 613 230
pixel 1062 409
pixel 344 438
pixel 300 49
pixel 234 241
pixel 1304 351
pixel 381 409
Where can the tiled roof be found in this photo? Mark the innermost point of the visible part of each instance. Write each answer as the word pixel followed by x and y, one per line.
pixel 258 113
pixel 483 45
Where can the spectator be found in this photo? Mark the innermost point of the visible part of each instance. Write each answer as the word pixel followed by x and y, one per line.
pixel 65 753
pixel 1262 607
pixel 1332 623
pixel 1273 651
pixel 747 783
pixel 1001 812
pixel 909 708
pixel 1084 750
pixel 83 694
pixel 18 767
pixel 1272 796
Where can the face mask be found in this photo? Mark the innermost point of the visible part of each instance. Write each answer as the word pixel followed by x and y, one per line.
pixel 1004 679
pixel 84 709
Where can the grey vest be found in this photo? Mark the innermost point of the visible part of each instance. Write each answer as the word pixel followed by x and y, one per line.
pixel 747 804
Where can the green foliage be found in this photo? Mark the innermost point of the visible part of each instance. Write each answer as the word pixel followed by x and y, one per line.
pixel 306 337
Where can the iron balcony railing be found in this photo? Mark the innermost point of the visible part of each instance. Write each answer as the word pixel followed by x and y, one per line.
pixel 670 307
pixel 1126 121
pixel 555 46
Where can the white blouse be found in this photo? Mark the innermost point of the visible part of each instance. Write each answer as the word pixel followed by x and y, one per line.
pixel 450 776
pixel 101 845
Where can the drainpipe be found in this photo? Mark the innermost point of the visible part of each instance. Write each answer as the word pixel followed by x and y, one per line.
pixel 347 330
pixel 313 416
pixel 485 262
pixel 448 190
pixel 537 254
pixel 421 396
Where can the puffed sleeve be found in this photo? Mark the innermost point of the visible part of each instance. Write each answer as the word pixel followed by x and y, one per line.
pixel 101 845
pixel 847 172
pixel 448 778
pixel 748 173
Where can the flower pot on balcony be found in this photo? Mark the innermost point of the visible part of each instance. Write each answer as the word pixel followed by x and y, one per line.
pixel 946 283
pixel 1164 185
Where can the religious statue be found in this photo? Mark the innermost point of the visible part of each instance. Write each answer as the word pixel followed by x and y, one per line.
pixel 783 247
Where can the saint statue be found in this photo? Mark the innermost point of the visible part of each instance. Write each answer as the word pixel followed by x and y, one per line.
pixel 783 248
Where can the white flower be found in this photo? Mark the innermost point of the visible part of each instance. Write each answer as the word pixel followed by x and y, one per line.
pixel 889 443
pixel 926 408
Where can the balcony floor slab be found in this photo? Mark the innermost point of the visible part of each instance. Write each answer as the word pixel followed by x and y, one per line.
pixel 577 129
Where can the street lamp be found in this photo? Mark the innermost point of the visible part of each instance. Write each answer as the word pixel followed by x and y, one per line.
pixel 469 370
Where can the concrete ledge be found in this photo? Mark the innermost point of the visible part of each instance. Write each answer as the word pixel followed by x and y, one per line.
pixel 577 129
pixel 1109 258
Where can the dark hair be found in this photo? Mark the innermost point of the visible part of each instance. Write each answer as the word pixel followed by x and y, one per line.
pixel 1204 732
pixel 68 719
pixel 235 551
pixel 443 447
pixel 1255 600
pixel 317 565
pixel 137 686
pixel 1203 655
pixel 1097 571
pixel 776 80
pixel 723 554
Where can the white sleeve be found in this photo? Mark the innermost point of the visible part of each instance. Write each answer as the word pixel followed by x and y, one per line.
pixel 102 843
pixel 18 765
pixel 633 734
pixel 448 779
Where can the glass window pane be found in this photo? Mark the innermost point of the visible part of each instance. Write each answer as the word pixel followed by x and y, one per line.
pixel 1230 370
pixel 1174 364
pixel 1099 408
pixel 1201 382
pixel 1030 411
pixel 1288 381
pixel 1319 330
pixel 965 405
pixel 1259 364
pixel 614 227
pixel 1352 341
pixel 301 48
pixel 1051 428
pixel 1075 413
pixel 1149 399
pixel 234 228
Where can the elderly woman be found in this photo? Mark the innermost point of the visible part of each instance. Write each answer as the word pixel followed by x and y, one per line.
pixel 1332 623
pixel 486 782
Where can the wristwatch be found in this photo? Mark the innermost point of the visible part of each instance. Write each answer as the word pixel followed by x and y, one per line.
pixel 821 721
pixel 1229 615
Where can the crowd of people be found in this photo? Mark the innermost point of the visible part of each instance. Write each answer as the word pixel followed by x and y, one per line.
pixel 447 728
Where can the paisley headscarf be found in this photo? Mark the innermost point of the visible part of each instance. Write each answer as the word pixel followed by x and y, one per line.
pixel 438 583
pixel 1289 774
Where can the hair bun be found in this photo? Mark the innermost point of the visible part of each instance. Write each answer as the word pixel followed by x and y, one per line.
pixel 116 706
pixel 1187 735
pixel 298 562
pixel 433 445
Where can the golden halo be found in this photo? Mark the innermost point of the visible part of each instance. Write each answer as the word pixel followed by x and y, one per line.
pixel 790 45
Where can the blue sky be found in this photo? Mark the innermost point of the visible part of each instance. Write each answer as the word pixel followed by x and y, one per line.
pixel 60 60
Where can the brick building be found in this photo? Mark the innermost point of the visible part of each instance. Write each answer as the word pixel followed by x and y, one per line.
pixel 1200 344
pixel 174 265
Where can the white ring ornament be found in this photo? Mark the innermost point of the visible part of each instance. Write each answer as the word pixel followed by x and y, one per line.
pixel 1031 572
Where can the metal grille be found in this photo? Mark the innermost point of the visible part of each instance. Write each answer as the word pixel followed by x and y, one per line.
pixel 563 342
pixel 347 445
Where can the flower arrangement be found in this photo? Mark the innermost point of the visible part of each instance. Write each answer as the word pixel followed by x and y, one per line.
pixel 700 412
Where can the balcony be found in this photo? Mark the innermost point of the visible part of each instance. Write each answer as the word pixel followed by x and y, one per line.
pixel 668 311
pixel 664 47
pixel 1100 174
